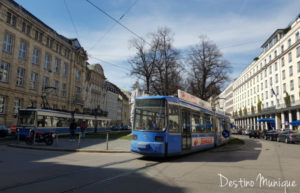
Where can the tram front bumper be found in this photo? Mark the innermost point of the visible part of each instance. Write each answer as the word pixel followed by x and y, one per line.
pixel 147 147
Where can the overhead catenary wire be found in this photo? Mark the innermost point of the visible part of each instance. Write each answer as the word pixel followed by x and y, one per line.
pixel 69 13
pixel 112 26
pixel 118 22
pixel 110 63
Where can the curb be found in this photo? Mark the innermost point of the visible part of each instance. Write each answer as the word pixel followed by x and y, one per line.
pixel 68 150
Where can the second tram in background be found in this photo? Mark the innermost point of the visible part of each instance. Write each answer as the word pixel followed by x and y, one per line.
pixel 166 126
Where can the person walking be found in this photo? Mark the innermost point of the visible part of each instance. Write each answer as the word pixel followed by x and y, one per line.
pixel 83 127
pixel 73 127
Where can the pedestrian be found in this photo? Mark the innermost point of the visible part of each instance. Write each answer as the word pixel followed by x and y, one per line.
pixel 73 127
pixel 83 127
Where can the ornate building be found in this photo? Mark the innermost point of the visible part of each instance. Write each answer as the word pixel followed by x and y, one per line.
pixel 36 61
pixel 95 91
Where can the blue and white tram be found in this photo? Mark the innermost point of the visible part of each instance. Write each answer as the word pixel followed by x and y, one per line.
pixel 165 126
pixel 46 120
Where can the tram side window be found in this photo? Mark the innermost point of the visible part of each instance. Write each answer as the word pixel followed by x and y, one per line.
pixel 196 123
pixel 174 119
pixel 44 121
pixel 207 123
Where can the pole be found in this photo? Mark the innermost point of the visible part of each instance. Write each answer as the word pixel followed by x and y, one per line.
pixel 107 136
pixel 79 140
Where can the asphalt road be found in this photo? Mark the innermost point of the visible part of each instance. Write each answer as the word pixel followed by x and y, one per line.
pixel 276 164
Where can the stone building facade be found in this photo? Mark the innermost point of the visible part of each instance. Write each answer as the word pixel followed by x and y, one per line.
pixel 266 95
pixel 95 91
pixel 36 61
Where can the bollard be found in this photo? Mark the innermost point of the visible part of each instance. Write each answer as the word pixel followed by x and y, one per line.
pixel 34 136
pixel 18 136
pixel 56 141
pixel 107 135
pixel 78 140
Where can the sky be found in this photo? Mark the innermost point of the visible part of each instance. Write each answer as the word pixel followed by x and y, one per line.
pixel 237 27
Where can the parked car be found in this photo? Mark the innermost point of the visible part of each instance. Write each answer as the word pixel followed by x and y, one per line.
pixel 288 137
pixel 271 135
pixel 4 131
pixel 254 133
pixel 246 132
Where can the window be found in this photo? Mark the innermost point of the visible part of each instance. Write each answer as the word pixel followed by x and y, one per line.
pixel 2 104
pixel 45 83
pixel 298 82
pixel 292 98
pixel 77 91
pixel 47 64
pixel 282 48
pixel 38 36
pixel 266 94
pixel 292 85
pixel 77 75
pixel 34 81
pixel 277 90
pixel 282 61
pixel 290 56
pixel 35 56
pixel 174 119
pixel 65 70
pixel 26 28
pixel 291 70
pixel 283 75
pixel 266 83
pixel 23 50
pixel 275 53
pixel 20 76
pixel 7 43
pixel 11 19
pixel 297 36
pixel 298 52
pixel 56 65
pixel 64 90
pixel 271 81
pixel 261 86
pixel 17 105
pixel 289 42
pixel 4 72
pixel 56 83
pixel 298 66
pixel 270 69
pixel 276 78
pixel 284 87
pixel 276 66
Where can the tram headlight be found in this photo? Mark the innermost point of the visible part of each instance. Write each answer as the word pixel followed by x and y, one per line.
pixel 159 138
pixel 134 137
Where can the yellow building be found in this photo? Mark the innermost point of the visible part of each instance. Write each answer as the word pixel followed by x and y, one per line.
pixel 35 60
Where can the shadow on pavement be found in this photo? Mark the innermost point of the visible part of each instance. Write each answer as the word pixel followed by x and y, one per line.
pixel 34 175
pixel 250 151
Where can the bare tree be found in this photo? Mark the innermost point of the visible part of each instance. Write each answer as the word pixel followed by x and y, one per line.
pixel 142 63
pixel 158 66
pixel 209 71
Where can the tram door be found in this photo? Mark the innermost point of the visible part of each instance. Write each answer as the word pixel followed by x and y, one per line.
pixel 186 130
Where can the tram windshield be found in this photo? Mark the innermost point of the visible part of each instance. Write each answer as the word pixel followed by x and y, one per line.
pixel 26 118
pixel 150 115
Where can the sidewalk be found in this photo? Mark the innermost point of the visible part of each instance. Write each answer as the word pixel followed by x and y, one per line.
pixel 86 145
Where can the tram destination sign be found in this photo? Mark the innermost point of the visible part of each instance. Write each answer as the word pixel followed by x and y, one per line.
pixel 193 99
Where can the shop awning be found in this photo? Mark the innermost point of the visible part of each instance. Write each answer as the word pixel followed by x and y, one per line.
pixel 295 123
pixel 268 120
